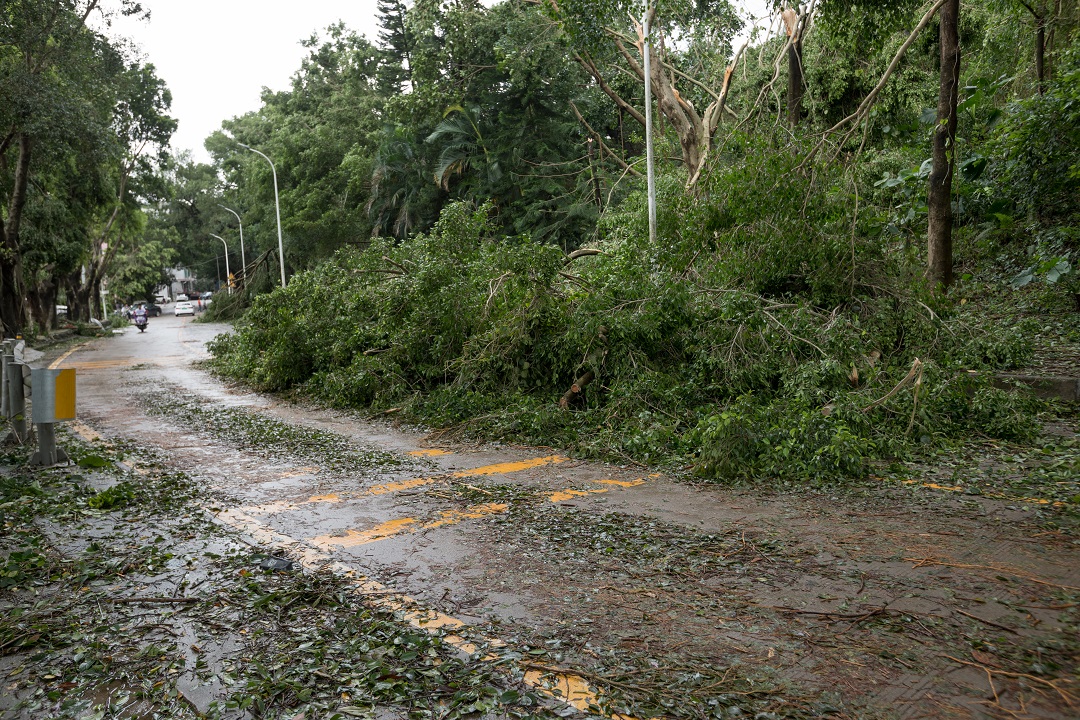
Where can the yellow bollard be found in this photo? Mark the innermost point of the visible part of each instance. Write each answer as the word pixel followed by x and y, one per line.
pixel 54 401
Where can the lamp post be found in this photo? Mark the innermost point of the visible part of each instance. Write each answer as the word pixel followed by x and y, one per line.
pixel 277 209
pixel 243 257
pixel 227 273
pixel 648 124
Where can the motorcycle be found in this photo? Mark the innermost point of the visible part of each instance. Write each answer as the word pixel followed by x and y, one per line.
pixel 140 322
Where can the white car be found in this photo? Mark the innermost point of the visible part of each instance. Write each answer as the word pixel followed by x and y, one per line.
pixel 183 308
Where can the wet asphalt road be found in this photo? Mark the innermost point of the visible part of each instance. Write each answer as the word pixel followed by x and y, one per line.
pixel 429 538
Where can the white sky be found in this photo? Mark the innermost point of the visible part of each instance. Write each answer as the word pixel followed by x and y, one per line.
pixel 216 56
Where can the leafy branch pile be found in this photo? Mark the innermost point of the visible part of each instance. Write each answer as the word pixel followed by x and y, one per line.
pixel 132 602
pixel 770 334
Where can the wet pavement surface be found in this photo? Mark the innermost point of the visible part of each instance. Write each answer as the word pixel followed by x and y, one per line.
pixel 893 602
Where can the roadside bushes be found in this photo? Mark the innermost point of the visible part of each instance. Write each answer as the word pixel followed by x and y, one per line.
pixel 767 334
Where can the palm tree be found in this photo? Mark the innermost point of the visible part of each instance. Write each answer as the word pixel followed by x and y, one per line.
pixel 461 147
pixel 398 184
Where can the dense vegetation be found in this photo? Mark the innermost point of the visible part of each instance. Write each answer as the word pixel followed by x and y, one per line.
pixel 84 128
pixel 466 227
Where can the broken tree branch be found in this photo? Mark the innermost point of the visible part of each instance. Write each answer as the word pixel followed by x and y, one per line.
pixel 159 600
pixel 916 369
pixel 603 148
pixel 574 393
pixel 590 67
pixel 868 101
pixel 582 252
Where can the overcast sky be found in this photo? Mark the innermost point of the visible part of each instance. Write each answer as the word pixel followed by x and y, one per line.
pixel 216 56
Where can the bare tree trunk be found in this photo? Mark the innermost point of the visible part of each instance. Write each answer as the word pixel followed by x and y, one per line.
pixel 794 22
pixel 795 82
pixel 939 198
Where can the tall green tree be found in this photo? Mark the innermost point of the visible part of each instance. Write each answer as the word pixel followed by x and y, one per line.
pixel 939 200
pixel 396 44
pixel 53 72
pixel 138 133
pixel 690 92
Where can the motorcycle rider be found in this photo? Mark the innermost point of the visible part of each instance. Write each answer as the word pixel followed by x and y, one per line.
pixel 142 317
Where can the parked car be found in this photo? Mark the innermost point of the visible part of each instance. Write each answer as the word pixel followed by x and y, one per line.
pixel 152 310
pixel 181 298
pixel 183 308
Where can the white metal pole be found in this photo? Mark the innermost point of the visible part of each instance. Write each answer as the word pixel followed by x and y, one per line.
pixel 243 257
pixel 277 209
pixel 648 127
pixel 227 272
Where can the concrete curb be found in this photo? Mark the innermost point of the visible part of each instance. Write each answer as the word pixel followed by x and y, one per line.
pixel 1049 387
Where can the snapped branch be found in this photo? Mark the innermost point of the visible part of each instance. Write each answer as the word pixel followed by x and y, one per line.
pixel 868 101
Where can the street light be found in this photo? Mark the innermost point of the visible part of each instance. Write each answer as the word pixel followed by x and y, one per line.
pixel 648 124
pixel 277 209
pixel 227 273
pixel 243 257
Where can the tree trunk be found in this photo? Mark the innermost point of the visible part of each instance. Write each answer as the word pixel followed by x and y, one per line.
pixel 43 305
pixel 78 297
pixel 939 198
pixel 12 297
pixel 795 82
pixel 1040 52
pixel 793 22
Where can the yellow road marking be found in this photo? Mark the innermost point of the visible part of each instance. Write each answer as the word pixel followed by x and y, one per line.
pixel 353 538
pixel 329 497
pixel 569 688
pixel 86 432
pixel 452 517
pixel 400 526
pixel 625 483
pixel 1032 500
pixel 496 469
pixel 510 467
pixel 401 485
pixel 570 494
pixel 429 453
pixel 555 497
pixel 996 496
pixel 60 360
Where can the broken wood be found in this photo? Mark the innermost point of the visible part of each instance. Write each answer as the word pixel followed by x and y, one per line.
pixel 404 270
pixel 582 252
pixel 573 395
pixel 991 623
pixel 594 359
pixel 159 600
pixel 916 369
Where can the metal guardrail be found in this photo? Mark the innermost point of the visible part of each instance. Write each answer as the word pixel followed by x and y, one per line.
pixel 52 394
